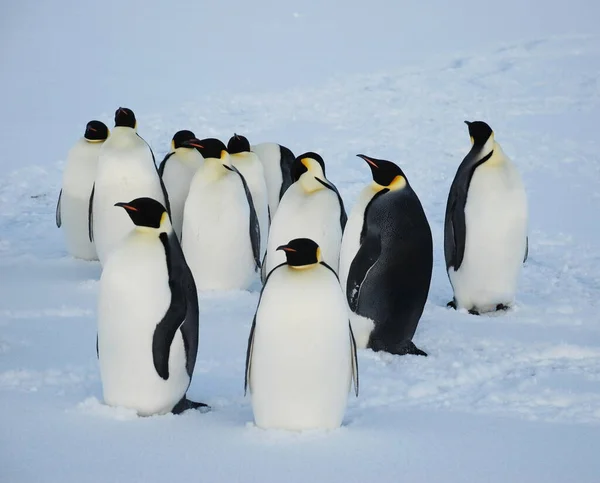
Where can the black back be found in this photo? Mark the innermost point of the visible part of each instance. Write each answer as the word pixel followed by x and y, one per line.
pixel 455 231
pixel 182 313
pixel 286 160
pixel 343 215
pixel 162 184
pixel 390 275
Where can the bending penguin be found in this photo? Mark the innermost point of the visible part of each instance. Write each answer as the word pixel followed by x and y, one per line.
pixel 301 357
pixel 252 170
pixel 389 278
pixel 221 235
pixel 277 161
pixel 147 317
pixel 485 229
pixel 126 170
pixel 313 208
pixel 177 170
pixel 72 209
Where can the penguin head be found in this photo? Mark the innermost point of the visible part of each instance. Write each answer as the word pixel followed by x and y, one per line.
pixel 238 144
pixel 480 132
pixel 147 213
pixel 301 253
pixel 385 173
pixel 179 137
pixel 212 148
pixel 124 117
pixel 95 132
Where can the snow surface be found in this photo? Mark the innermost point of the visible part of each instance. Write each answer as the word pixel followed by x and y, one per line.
pixel 514 397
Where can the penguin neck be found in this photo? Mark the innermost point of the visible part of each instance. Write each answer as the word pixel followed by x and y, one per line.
pixel 215 168
pixel 498 158
pixel 164 227
pixel 123 131
pixel 189 156
pixel 308 182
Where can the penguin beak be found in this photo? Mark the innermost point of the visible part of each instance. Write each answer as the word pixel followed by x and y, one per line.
pixel 92 129
pixel 285 248
pixel 192 143
pixel 468 123
pixel 370 161
pixel 126 206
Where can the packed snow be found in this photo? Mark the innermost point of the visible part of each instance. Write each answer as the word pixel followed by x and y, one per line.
pixel 503 397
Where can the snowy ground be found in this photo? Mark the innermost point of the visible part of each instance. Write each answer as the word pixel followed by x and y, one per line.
pixel 500 398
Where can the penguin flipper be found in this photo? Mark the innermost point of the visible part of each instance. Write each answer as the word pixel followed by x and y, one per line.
pixel 162 185
pixel 286 160
pixel 249 355
pixel 354 357
pixel 365 258
pixel 526 249
pixel 186 404
pixel 91 214
pixel 58 216
pixel 343 215
pixel 254 224
pixel 163 163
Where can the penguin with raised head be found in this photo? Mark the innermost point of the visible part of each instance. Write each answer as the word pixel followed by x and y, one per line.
pixel 177 170
pixel 313 208
pixel 485 229
pixel 126 170
pixel 147 317
pixel 72 209
pixel 221 235
pixel 253 172
pixel 389 278
pixel 301 356
pixel 277 161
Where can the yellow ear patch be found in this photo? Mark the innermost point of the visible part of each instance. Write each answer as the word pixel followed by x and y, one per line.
pixel 305 162
pixel 164 218
pixel 398 183
pixel 172 145
pixel 472 140
pixel 319 258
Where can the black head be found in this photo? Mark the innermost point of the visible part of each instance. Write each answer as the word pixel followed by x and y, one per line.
pixel 96 131
pixel 384 172
pixel 238 144
pixel 192 143
pixel 144 212
pixel 301 252
pixel 181 136
pixel 301 164
pixel 125 117
pixel 479 131
pixel 212 148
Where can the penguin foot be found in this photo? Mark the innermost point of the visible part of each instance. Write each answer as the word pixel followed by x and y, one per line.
pixel 400 350
pixel 412 349
pixel 186 404
pixel 502 307
pixel 474 312
pixel 451 304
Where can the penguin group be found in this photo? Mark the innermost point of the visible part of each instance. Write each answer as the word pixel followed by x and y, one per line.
pixel 216 216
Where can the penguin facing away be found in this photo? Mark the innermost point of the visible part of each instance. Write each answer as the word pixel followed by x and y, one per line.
pixel 126 170
pixel 301 358
pixel 313 208
pixel 485 229
pixel 72 208
pixel 389 278
pixel 249 165
pixel 277 161
pixel 147 317
pixel 176 170
pixel 220 236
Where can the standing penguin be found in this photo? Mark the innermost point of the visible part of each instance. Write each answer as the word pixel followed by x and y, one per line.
pixel 220 236
pixel 301 356
pixel 485 230
pixel 389 278
pixel 253 172
pixel 277 161
pixel 177 171
pixel 312 207
pixel 147 317
pixel 72 209
pixel 126 170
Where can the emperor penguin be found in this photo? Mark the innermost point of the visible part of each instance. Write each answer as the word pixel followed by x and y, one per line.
pixel 485 229
pixel 72 209
pixel 301 357
pixel 126 170
pixel 147 317
pixel 389 277
pixel 277 161
pixel 312 207
pixel 177 170
pixel 248 163
pixel 221 235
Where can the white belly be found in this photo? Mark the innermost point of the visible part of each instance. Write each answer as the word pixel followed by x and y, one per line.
pixel 122 176
pixel 216 234
pixel 496 229
pixel 315 216
pixel 134 296
pixel 301 360
pixel 351 237
pixel 177 177
pixel 78 179
pixel 270 157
